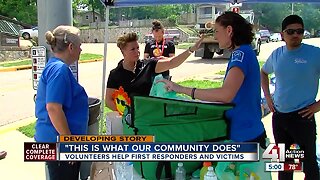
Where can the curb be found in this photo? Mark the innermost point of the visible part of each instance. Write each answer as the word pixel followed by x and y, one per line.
pixel 15 125
pixel 15 68
pixel 24 67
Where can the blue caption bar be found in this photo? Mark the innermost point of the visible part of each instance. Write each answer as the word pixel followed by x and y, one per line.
pixel 204 147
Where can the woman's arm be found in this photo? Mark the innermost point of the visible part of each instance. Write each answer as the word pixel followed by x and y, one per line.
pixel 109 100
pixel 225 94
pixel 58 118
pixel 170 63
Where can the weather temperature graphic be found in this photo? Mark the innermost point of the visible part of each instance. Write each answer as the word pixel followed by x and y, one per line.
pixel 282 159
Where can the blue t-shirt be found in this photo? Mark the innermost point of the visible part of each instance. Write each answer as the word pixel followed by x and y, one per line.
pixel 58 85
pixel 297 76
pixel 245 117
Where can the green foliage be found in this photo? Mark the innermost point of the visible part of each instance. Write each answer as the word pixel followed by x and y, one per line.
pixel 23 10
pixel 35 41
pixel 88 56
pixel 221 73
pixel 172 20
pixel 83 57
pixel 28 130
pixel 184 45
pixel 201 83
pixel 270 15
pixel 16 63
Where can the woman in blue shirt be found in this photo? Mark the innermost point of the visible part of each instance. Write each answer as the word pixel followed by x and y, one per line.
pixel 241 84
pixel 61 102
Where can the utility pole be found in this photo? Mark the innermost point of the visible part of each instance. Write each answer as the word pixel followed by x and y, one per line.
pixel 50 15
pixel 292 8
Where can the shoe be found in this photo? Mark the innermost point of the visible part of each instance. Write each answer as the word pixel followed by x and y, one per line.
pixel 3 154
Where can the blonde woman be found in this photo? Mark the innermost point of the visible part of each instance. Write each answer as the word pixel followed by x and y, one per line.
pixel 61 102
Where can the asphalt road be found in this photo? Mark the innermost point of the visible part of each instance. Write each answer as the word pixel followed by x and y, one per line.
pixel 16 92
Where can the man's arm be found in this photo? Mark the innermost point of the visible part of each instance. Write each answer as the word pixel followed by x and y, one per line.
pixel 265 87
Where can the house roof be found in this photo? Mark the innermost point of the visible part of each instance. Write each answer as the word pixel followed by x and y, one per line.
pixel 9 27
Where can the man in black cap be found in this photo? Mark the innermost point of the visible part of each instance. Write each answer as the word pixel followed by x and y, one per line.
pixel 297 70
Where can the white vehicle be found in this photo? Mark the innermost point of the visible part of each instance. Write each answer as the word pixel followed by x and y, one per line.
pixel 275 37
pixel 29 33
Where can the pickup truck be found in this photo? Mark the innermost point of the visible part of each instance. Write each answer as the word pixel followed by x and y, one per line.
pixel 209 46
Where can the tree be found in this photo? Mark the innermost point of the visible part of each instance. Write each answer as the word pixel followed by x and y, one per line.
pixel 270 16
pixel 23 10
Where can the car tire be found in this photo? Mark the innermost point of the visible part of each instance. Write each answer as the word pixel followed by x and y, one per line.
pixel 26 35
pixel 207 54
pixel 220 52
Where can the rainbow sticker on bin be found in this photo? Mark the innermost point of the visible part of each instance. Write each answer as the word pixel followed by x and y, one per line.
pixel 121 100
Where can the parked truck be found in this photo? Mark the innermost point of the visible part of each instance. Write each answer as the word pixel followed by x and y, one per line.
pixel 209 45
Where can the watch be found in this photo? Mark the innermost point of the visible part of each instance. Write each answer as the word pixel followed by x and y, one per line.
pixel 189 50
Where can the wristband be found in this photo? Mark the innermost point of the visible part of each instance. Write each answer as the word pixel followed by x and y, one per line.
pixel 192 92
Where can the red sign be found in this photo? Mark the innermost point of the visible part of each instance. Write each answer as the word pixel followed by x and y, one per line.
pixel 293 166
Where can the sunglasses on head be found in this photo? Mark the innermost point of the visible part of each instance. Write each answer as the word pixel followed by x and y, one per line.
pixel 292 31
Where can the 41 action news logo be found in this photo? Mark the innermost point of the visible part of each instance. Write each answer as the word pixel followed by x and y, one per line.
pixel 277 153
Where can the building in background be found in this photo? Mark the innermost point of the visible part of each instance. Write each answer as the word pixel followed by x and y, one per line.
pixel 85 18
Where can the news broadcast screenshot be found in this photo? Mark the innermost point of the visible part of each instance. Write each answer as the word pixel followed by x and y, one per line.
pixel 140 157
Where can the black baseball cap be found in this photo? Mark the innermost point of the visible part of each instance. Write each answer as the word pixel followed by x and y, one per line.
pixel 291 19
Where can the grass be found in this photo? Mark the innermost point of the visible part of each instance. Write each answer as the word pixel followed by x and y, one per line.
pixel 201 84
pixel 88 56
pixel 184 45
pixel 16 63
pixel 29 130
pixel 83 57
pixel 221 73
pixel 224 72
